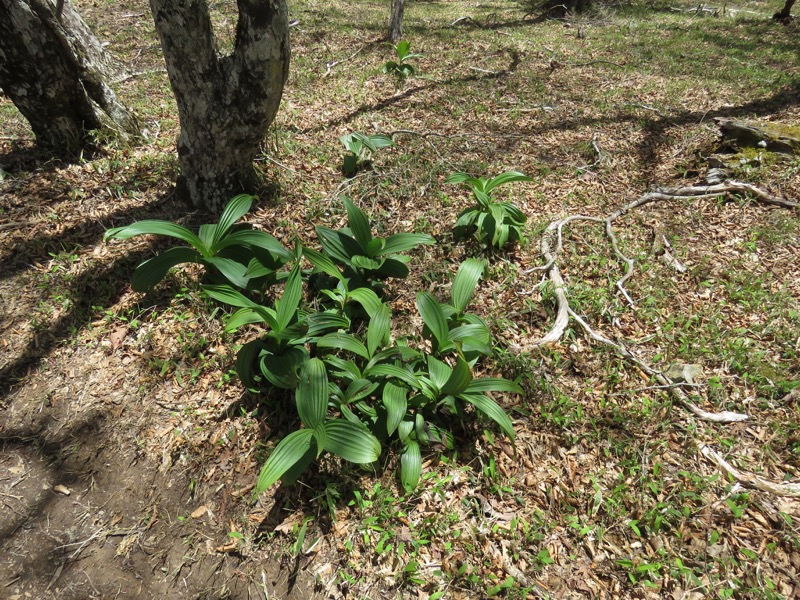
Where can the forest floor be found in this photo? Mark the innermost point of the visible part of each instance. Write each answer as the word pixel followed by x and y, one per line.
pixel 130 449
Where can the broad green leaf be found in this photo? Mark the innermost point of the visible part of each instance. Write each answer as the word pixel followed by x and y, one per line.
pixel 359 224
pixel 375 247
pixel 338 245
pixel 404 429
pixel 403 353
pixel 420 429
pixel 358 389
pixel 257 239
pixel 351 442
pixel 344 341
pixel 394 372
pixel 323 263
pixel 246 362
pixel 439 371
pixel 400 242
pixel 394 399
pixel 152 271
pixel 434 318
pixel 463 288
pixel 282 369
pixel 491 409
pixel 290 299
pixel 410 466
pixel 228 295
pixel 235 210
pixel 471 333
pixel 493 384
pixel 504 178
pixel 459 379
pixel 320 322
pixel 289 451
pixel 394 267
pixel 367 263
pixel 516 215
pixel 366 298
pixel 378 330
pixel 232 271
pixel 345 369
pixel 158 228
pixel 459 178
pixel 380 140
pixel 246 316
pixel 312 393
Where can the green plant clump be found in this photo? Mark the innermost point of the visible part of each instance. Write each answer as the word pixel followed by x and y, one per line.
pixel 359 148
pixel 401 68
pixel 490 221
pixel 356 387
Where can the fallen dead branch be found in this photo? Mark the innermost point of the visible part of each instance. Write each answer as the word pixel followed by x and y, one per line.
pixel 551 247
pixel 748 479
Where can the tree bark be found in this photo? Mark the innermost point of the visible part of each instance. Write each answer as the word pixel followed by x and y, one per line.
pixel 785 12
pixel 225 103
pixel 396 21
pixel 54 70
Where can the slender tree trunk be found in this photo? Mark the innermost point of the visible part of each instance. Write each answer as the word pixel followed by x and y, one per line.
pixel 225 103
pixel 785 12
pixel 396 21
pixel 54 70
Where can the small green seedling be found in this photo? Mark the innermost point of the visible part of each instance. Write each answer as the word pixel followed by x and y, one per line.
pixel 492 222
pixel 400 68
pixel 359 150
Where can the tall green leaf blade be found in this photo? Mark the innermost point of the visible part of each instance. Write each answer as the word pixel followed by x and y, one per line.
pixel 410 465
pixel 393 372
pixel 459 379
pixel 323 263
pixel 345 341
pixel 359 224
pixel 351 442
pixel 232 271
pixel 257 239
pixel 504 178
pixel 378 330
pixel 226 294
pixel 235 210
pixel 465 281
pixel 400 242
pixel 491 409
pixel 338 245
pixel 439 371
pixel 152 227
pixel 289 451
pixel 493 384
pixel 246 360
pixel 248 316
pixel 366 298
pixel 394 399
pixel 431 312
pixel 148 274
pixel 312 393
pixel 290 299
pixel 358 389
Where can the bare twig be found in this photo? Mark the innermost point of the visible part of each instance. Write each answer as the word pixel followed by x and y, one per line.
pixel 749 479
pixel 329 65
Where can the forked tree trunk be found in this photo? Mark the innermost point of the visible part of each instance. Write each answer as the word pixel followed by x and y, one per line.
pixel 225 103
pixel 396 21
pixel 54 70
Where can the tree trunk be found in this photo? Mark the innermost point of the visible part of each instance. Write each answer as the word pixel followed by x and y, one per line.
pixel 225 103
pixel 396 21
pixel 785 12
pixel 54 70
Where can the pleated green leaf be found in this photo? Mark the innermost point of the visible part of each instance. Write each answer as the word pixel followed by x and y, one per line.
pixel 491 409
pixel 148 274
pixel 289 451
pixel 466 279
pixel 152 227
pixel 394 399
pixel 351 442
pixel 410 465
pixel 312 393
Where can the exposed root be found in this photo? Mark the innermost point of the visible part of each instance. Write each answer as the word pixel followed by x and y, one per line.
pixel 551 247
pixel 748 479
